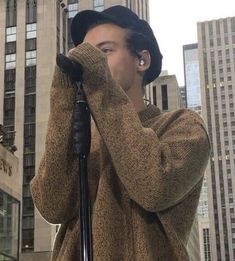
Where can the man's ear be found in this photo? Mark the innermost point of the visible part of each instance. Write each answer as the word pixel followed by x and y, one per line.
pixel 144 61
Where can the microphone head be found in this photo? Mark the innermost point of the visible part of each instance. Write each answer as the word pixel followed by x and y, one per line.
pixel 69 67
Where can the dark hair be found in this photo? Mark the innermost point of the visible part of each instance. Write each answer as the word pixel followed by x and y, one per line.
pixel 137 42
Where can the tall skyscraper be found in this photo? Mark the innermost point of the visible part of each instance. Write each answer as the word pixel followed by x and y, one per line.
pixel 216 46
pixel 192 77
pixel 32 32
pixel 193 101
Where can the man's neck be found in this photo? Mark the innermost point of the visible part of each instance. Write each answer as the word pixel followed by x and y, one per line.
pixel 136 96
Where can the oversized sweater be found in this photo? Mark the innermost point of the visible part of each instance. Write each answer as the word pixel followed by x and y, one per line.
pixel 145 171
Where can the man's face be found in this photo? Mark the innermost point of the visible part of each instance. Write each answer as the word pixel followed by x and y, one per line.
pixel 111 40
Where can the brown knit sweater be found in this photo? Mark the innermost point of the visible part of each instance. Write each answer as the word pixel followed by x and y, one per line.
pixel 145 171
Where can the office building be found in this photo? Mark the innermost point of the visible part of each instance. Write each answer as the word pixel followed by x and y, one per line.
pixel 164 92
pixel 216 47
pixel 10 205
pixel 193 102
pixel 192 77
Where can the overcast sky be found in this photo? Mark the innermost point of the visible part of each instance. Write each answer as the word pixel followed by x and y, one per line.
pixel 175 24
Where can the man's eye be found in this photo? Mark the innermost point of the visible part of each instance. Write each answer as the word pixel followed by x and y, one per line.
pixel 106 50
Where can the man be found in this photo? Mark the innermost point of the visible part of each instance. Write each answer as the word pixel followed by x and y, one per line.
pixel 145 168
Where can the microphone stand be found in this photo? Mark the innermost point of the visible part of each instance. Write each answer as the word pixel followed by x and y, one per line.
pixel 82 140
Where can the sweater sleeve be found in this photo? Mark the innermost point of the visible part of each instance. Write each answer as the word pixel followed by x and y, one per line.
pixel 55 188
pixel 157 171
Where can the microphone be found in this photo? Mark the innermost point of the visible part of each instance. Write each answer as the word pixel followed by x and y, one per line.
pixel 69 67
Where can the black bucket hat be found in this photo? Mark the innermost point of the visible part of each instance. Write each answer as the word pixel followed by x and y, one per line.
pixel 124 18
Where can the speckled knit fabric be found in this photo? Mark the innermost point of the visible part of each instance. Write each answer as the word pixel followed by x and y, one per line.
pixel 145 171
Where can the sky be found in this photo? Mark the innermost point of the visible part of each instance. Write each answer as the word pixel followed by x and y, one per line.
pixel 175 24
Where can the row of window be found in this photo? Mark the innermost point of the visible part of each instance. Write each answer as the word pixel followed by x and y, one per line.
pixel 219 24
pixel 10 59
pixel 31 32
pixel 11 12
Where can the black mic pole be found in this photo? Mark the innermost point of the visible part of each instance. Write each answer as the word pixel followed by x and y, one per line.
pixel 82 141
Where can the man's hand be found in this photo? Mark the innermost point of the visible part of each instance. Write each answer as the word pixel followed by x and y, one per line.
pixel 92 60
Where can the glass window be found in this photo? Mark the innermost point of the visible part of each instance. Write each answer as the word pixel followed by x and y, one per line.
pixel 9 226
pixel 98 5
pixel 30 103
pixel 29 138
pixel 30 44
pixel 11 13
pixel 31 58
pixel 27 239
pixel 11 34
pixel 10 60
pixel 10 48
pixel 31 11
pixel 31 31
pixel 73 9
pixel 30 79
pixel 164 97
pixel 9 81
pixel 28 222
pixel 28 206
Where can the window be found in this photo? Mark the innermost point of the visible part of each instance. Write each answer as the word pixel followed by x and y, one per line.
pixel 10 48
pixel 226 40
pixel 29 160
pixel 217 27
pixel 31 31
pixel 73 9
pixel 29 104
pixel 26 192
pixel 233 24
pixel 9 138
pixel 225 26
pixel 9 110
pixel 11 34
pixel 154 95
pixel 31 58
pixel 206 244
pixel 164 97
pixel 30 44
pixel 29 138
pixel 10 60
pixel 72 1
pixel 30 79
pixel 210 28
pixel 28 222
pixel 11 13
pixel 9 80
pixel 27 239
pixel 99 5
pixel 10 217
pixel 31 11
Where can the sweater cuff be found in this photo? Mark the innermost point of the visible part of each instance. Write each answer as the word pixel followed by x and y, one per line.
pixel 61 80
pixel 87 55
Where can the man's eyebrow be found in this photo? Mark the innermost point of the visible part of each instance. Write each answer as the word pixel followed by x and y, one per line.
pixel 99 45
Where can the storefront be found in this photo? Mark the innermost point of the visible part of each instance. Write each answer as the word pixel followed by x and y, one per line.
pixel 10 198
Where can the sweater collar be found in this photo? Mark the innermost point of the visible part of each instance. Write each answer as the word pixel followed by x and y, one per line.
pixel 148 112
